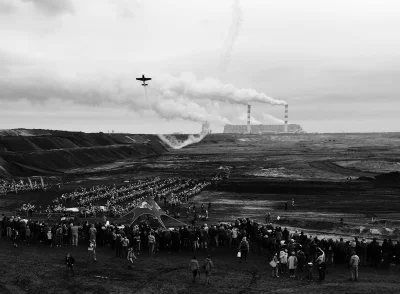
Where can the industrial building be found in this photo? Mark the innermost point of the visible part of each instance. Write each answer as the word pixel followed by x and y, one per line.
pixel 257 129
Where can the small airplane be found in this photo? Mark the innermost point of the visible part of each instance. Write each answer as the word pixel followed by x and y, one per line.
pixel 143 79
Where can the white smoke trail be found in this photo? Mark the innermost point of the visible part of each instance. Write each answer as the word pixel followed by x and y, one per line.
pixel 187 85
pixel 179 107
pixel 174 143
pixel 237 18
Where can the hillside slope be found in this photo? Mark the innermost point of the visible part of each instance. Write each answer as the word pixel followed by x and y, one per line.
pixel 34 152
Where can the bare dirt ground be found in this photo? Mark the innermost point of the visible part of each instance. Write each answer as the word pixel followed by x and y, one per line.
pixel 39 269
pixel 266 171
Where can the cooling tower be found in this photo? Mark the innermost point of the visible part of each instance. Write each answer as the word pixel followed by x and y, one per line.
pixel 286 117
pixel 248 119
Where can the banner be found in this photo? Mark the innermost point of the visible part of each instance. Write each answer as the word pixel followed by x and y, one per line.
pixel 30 183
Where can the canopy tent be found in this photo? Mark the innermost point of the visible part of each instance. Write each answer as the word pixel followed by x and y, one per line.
pixel 148 207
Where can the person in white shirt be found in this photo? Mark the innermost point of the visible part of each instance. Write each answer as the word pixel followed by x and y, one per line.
pixel 283 261
pixel 292 263
pixel 354 262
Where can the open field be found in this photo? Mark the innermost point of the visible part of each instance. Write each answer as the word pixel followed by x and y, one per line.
pixel 266 171
pixel 39 269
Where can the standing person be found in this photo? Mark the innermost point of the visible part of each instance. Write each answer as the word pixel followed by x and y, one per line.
pixel 27 235
pixel 208 266
pixel 321 264
pixel 118 244
pixel 59 235
pixel 354 262
pixel 92 232
pixel 194 267
pixel 50 238
pixel 74 233
pixel 292 263
pixel 92 250
pixel 292 202
pixel 275 266
pixel 125 244
pixel 152 240
pixel 137 239
pixel 244 248
pixel 283 256
pixel 131 256
pixel 209 207
pixel 309 271
pixel 268 218
pixel 69 262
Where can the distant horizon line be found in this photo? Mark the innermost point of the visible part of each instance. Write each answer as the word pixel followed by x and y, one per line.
pixel 220 133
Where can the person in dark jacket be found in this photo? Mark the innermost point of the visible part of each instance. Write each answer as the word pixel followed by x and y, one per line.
pixel 244 248
pixel 69 262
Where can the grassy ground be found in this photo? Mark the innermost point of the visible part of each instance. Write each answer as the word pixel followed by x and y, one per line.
pixel 39 269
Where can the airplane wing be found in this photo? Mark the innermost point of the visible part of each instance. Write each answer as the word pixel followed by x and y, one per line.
pixel 140 79
pixel 146 79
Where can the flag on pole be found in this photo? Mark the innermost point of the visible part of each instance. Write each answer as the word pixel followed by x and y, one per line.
pixel 30 183
pixel 41 179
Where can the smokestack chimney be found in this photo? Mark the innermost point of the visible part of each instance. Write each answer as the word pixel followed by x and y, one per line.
pixel 286 117
pixel 248 119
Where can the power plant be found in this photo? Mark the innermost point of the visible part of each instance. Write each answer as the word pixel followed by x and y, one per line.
pixel 262 128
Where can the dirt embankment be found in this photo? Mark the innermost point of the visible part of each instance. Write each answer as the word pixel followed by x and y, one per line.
pixel 38 152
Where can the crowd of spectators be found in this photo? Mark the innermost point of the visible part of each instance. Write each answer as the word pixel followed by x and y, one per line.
pixel 263 239
pixel 20 186
pixel 117 201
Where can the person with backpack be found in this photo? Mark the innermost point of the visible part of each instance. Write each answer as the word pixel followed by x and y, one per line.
pixel 244 248
pixel 207 267
pixel 69 262
pixel 194 267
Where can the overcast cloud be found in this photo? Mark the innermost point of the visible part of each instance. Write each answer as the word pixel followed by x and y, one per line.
pixel 72 64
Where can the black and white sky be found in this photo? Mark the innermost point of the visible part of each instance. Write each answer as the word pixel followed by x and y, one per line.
pixel 72 64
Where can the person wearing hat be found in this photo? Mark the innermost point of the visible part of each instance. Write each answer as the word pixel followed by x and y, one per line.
pixel 69 262
pixel 292 264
